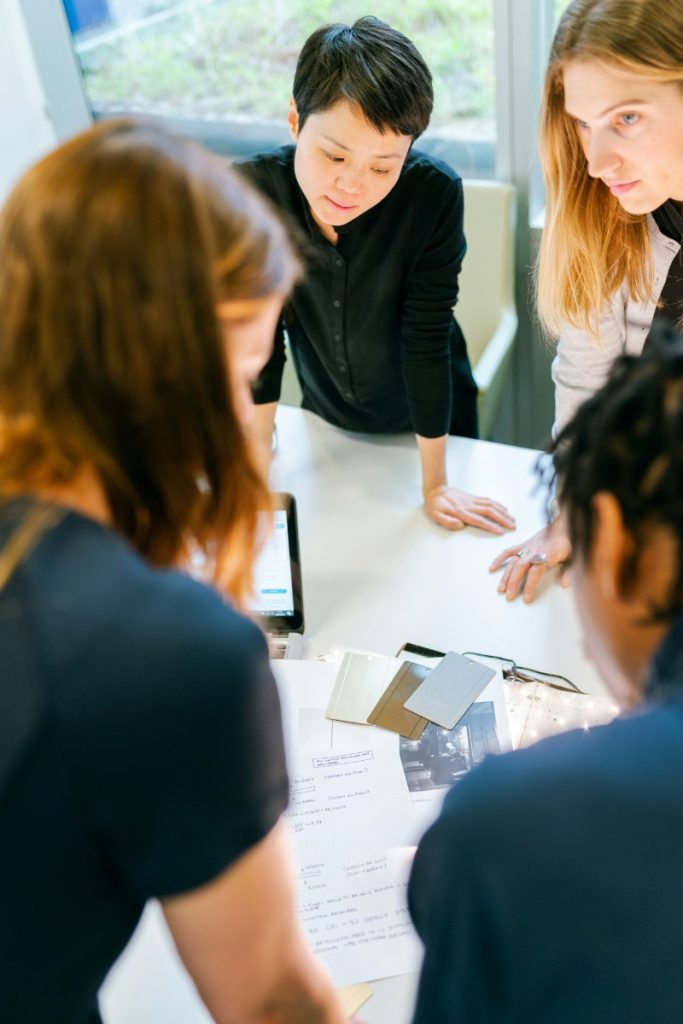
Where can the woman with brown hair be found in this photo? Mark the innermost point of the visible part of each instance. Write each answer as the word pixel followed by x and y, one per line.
pixel 140 741
pixel 611 147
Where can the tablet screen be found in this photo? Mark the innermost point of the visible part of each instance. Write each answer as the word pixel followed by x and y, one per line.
pixel 278 598
pixel 273 593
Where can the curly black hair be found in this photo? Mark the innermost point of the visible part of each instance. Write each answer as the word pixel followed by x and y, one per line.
pixel 628 439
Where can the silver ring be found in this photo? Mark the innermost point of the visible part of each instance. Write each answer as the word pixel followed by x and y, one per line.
pixel 521 553
pixel 539 559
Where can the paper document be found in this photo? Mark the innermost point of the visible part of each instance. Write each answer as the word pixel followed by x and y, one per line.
pixel 315 732
pixel 355 913
pixel 302 684
pixel 346 799
pixel 361 799
pixel 349 816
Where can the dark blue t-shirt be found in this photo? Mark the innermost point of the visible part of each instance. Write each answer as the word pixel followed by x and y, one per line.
pixel 141 755
pixel 551 887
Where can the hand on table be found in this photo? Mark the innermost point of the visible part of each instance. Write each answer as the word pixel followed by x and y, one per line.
pixel 455 509
pixel 527 562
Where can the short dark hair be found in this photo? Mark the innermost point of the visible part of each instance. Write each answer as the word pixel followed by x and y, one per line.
pixel 369 64
pixel 628 439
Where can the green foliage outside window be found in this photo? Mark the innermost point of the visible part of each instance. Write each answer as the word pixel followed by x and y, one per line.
pixel 235 59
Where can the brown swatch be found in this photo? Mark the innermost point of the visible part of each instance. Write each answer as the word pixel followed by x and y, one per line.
pixel 389 712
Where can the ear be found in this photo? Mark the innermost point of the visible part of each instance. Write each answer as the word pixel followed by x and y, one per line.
pixel 293 120
pixel 612 545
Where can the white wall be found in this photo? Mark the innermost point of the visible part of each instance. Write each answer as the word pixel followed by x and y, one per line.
pixel 25 127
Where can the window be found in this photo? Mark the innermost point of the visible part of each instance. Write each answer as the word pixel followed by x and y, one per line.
pixel 224 70
pixel 487 57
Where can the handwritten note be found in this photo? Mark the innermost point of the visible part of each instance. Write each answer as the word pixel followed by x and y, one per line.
pixel 355 913
pixel 346 799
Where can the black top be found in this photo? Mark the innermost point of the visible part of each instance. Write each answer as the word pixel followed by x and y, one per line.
pixel 371 327
pixel 142 754
pixel 669 220
pixel 551 888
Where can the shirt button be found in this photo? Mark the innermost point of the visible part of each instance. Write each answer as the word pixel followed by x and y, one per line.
pixel 337 337
pixel 339 263
pixel 342 368
pixel 336 303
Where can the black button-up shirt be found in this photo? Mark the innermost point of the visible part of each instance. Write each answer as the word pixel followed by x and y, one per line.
pixel 371 327
pixel 669 220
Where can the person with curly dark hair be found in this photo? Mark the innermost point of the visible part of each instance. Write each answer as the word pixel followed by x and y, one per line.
pixel 550 888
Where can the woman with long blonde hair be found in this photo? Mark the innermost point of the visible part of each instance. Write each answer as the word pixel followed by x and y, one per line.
pixel 611 147
pixel 141 749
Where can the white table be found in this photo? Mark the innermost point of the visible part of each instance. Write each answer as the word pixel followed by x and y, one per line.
pixel 377 573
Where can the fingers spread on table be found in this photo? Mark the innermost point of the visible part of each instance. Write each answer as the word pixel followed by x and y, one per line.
pixel 494 509
pixel 489 524
pixel 505 556
pixel 533 578
pixel 447 519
